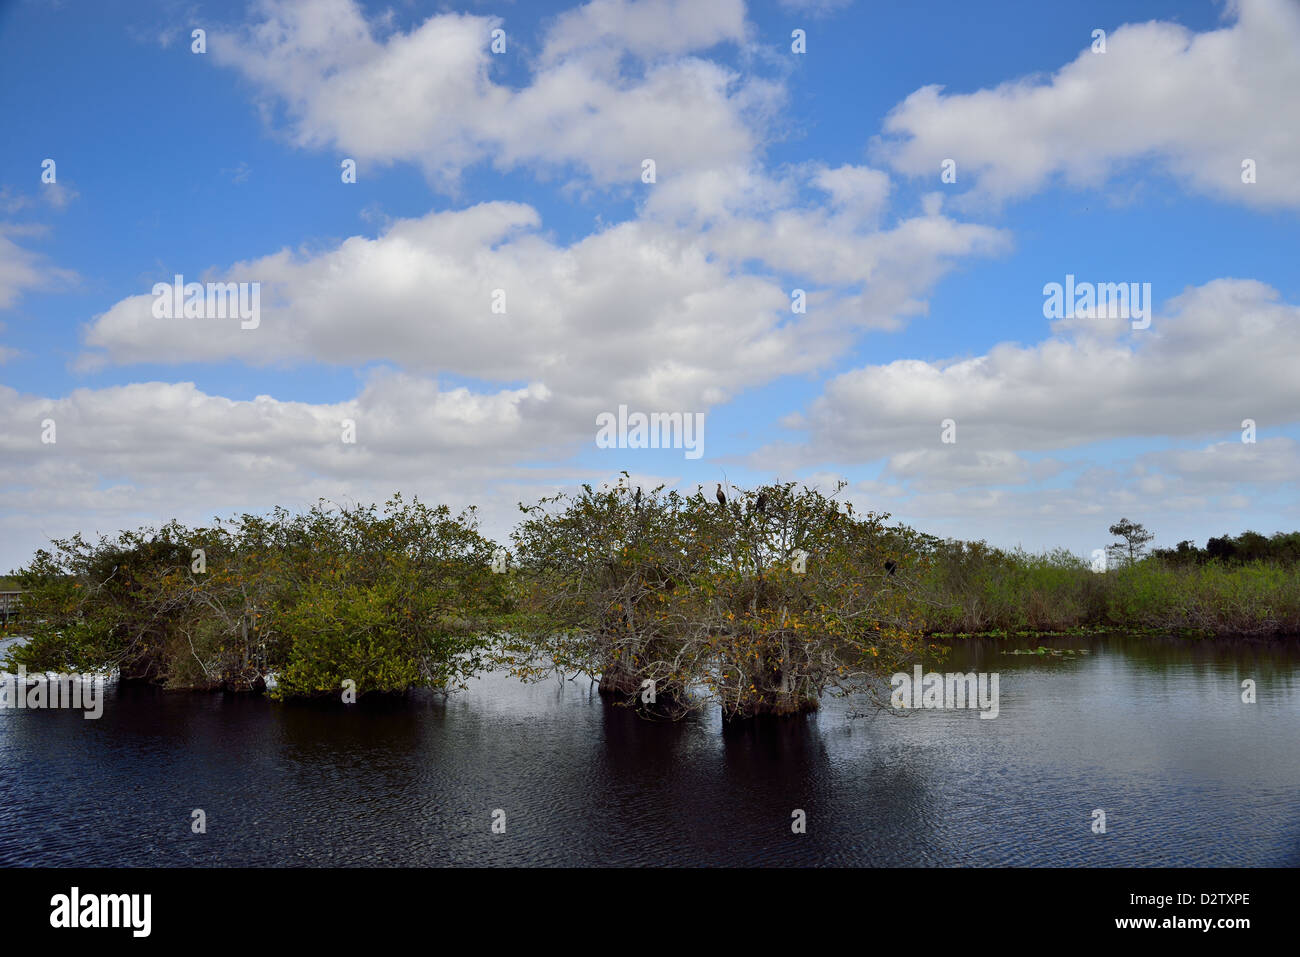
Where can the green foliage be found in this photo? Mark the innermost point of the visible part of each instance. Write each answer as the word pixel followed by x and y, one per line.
pixel 1134 539
pixel 709 601
pixel 972 588
pixel 108 604
pixel 1282 548
pixel 1258 598
pixel 391 600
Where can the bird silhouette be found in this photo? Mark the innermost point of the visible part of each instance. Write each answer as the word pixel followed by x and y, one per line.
pixel 890 567
pixel 722 499
pixel 761 502
pixel 637 502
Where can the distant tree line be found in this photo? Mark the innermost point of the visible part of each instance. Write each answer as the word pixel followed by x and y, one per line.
pixel 1247 585
pixel 1281 547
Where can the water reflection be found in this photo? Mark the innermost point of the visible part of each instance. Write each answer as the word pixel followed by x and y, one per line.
pixel 1153 731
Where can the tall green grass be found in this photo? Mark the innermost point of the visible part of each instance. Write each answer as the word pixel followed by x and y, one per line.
pixel 971 588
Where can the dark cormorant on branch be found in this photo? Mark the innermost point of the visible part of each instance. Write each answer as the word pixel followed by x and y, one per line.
pixel 761 502
pixel 722 499
pixel 890 566
pixel 637 501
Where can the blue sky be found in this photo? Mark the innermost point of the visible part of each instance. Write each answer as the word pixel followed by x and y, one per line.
pixel 774 170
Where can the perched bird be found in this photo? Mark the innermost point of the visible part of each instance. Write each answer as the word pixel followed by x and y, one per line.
pixel 637 502
pixel 761 502
pixel 722 499
pixel 890 567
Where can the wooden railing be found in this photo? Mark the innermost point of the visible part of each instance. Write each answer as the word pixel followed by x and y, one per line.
pixel 9 604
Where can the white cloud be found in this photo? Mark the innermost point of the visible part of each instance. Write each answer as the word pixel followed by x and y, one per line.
pixel 645 28
pixel 156 449
pixel 686 305
pixel 654 311
pixel 958 466
pixel 856 190
pixel 1218 354
pixel 1223 466
pixel 21 269
pixel 628 313
pixel 1194 105
pixel 427 96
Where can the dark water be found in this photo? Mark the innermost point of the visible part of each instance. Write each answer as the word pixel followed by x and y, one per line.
pixel 1153 732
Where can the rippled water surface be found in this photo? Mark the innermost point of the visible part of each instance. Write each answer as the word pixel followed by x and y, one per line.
pixel 1154 732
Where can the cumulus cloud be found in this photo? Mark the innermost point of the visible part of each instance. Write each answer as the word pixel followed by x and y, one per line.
pixel 653 310
pixel 681 307
pixel 157 448
pixel 646 315
pixel 1192 105
pixel 176 430
pixel 686 303
pixel 1216 354
pixel 427 96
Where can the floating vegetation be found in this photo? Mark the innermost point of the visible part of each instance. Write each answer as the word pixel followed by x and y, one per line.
pixel 1049 652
